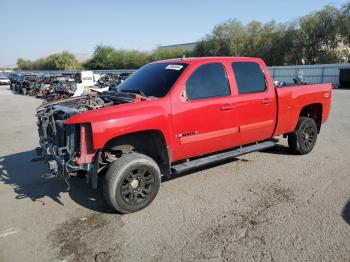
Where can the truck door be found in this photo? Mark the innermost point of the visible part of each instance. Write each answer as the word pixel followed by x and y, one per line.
pixel 255 105
pixel 203 113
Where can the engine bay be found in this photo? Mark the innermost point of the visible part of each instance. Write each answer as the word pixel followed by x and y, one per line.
pixel 91 102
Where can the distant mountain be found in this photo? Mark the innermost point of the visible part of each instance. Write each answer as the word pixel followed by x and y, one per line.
pixel 81 57
pixel 8 66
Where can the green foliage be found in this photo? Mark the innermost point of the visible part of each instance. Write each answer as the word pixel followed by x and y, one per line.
pixel 62 61
pixel 344 28
pixel 106 57
pixel 168 53
pixel 320 37
pixel 24 64
pixel 345 21
pixel 102 58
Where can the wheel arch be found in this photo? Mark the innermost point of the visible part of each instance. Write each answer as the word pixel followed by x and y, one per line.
pixel 313 111
pixel 149 142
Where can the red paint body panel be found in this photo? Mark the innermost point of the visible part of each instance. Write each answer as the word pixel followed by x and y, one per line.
pixel 193 128
pixel 291 101
pixel 87 152
pixel 110 122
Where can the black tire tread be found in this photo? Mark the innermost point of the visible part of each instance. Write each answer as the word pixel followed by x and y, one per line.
pixel 114 174
pixel 293 138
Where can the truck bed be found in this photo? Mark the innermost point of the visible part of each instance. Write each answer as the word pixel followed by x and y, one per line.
pixel 291 101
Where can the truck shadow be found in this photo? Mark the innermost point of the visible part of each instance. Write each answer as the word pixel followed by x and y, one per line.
pixel 278 150
pixel 346 213
pixel 33 180
pixel 198 169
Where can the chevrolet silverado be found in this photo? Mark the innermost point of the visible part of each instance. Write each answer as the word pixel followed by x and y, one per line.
pixel 172 116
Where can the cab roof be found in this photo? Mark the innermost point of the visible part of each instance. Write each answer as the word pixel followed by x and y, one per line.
pixel 191 60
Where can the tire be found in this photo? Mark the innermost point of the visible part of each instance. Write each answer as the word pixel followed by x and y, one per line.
pixel 304 137
pixel 131 182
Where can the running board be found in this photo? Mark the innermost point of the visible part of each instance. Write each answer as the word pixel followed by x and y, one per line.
pixel 212 159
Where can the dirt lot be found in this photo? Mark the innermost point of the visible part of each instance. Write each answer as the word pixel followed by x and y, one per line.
pixel 268 206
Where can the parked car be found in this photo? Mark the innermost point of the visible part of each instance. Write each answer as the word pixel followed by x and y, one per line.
pixel 4 80
pixel 16 79
pixel 175 115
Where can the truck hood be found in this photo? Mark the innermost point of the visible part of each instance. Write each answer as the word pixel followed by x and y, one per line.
pixel 118 112
pixel 84 104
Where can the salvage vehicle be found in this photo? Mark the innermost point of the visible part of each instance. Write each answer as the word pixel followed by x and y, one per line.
pixel 26 83
pixel 16 79
pixel 61 90
pixel 172 116
pixel 4 80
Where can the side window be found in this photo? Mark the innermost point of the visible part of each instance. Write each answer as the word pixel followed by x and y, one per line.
pixel 249 77
pixel 207 81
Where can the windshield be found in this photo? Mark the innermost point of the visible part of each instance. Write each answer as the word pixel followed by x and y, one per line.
pixel 153 80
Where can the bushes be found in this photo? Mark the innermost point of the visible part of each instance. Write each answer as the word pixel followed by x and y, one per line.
pixel 106 57
pixel 62 61
pixel 320 37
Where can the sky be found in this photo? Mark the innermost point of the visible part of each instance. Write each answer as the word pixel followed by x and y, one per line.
pixel 35 28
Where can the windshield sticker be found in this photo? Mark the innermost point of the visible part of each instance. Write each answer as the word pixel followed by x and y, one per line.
pixel 174 67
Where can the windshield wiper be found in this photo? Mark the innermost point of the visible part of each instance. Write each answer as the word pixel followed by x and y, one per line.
pixel 134 91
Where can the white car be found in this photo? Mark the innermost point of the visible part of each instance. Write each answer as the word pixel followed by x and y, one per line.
pixel 4 80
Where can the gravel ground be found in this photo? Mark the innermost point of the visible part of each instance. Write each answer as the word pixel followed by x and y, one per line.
pixel 267 206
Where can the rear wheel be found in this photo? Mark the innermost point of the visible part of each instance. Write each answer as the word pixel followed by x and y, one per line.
pixel 304 137
pixel 132 182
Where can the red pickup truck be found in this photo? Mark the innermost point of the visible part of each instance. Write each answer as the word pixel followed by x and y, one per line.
pixel 174 115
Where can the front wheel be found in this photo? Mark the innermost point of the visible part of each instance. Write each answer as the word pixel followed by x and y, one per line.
pixel 132 182
pixel 304 137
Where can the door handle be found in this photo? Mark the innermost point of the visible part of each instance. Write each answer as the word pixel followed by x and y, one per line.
pixel 227 107
pixel 267 101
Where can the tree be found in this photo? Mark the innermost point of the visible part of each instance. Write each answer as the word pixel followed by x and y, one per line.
pixel 225 40
pixel 62 61
pixel 319 33
pixel 320 37
pixel 255 39
pixel 23 64
pixel 102 58
pixel 345 22
pixel 344 28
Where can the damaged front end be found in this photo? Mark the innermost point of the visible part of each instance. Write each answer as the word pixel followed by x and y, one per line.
pixel 68 148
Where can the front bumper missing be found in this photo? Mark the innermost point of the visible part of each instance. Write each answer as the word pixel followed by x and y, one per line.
pixel 59 167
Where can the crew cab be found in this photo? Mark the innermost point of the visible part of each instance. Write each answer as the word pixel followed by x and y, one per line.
pixel 174 115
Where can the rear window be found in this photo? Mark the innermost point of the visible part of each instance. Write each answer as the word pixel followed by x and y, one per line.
pixel 153 80
pixel 249 77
